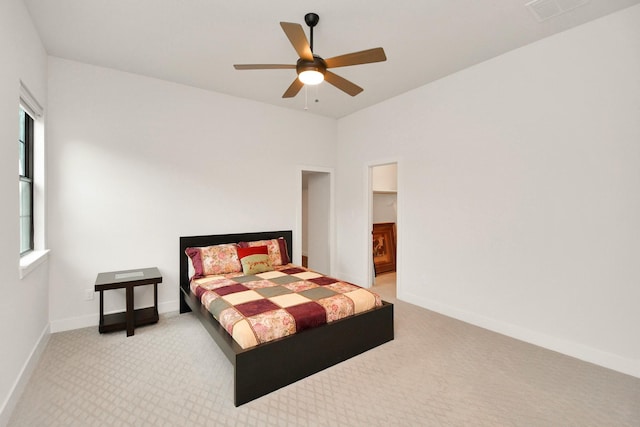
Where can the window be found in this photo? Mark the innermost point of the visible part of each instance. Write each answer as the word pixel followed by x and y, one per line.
pixel 25 170
pixel 31 182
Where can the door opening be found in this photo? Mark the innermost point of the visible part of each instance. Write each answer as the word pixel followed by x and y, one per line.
pixel 316 220
pixel 383 223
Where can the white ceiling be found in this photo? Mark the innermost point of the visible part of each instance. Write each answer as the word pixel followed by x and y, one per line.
pixel 196 42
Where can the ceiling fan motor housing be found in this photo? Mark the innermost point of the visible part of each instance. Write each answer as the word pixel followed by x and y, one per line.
pixel 317 64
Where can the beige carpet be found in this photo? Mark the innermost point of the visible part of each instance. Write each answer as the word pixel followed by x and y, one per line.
pixel 437 372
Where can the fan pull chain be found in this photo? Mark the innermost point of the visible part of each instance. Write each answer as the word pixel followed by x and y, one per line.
pixel 306 96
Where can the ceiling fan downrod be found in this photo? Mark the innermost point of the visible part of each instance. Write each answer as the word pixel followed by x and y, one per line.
pixel 311 20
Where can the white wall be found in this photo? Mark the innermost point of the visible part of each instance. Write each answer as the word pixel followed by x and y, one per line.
pixel 385 207
pixel 384 181
pixel 385 177
pixel 23 302
pixel 319 221
pixel 520 185
pixel 137 162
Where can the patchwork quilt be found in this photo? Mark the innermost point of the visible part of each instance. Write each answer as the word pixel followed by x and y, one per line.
pixel 263 307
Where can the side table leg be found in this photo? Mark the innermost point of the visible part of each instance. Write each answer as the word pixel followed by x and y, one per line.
pixel 101 325
pixel 130 313
pixel 155 298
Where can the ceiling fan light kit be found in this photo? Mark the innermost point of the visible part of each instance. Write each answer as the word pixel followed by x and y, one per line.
pixel 313 69
pixel 311 72
pixel 311 77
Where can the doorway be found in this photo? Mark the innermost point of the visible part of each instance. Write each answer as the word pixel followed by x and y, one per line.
pixel 316 220
pixel 383 223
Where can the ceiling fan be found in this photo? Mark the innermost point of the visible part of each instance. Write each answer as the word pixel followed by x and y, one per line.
pixel 313 69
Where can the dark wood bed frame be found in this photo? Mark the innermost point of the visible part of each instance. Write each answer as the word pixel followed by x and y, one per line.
pixel 267 367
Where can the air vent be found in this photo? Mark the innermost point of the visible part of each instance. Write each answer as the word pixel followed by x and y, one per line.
pixel 545 9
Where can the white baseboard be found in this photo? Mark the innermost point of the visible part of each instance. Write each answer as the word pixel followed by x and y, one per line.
pixel 23 378
pixel 169 306
pixel 569 348
pixel 74 323
pixel 93 319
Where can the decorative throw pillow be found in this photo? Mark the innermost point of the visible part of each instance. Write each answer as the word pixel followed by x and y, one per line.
pixel 252 250
pixel 278 253
pixel 218 259
pixel 254 259
pixel 256 263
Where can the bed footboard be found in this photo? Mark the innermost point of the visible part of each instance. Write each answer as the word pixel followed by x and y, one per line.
pixel 270 366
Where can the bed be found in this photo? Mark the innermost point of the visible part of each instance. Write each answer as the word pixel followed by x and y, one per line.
pixel 268 366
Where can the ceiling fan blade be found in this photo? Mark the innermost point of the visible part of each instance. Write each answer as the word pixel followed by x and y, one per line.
pixel 262 66
pixel 293 89
pixel 363 57
pixel 342 83
pixel 298 39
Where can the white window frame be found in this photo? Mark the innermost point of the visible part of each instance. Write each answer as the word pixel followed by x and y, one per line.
pixel 31 260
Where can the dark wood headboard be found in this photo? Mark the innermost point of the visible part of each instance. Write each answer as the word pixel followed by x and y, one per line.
pixel 217 239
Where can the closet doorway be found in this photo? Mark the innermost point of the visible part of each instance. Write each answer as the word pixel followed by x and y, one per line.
pixel 383 214
pixel 316 225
